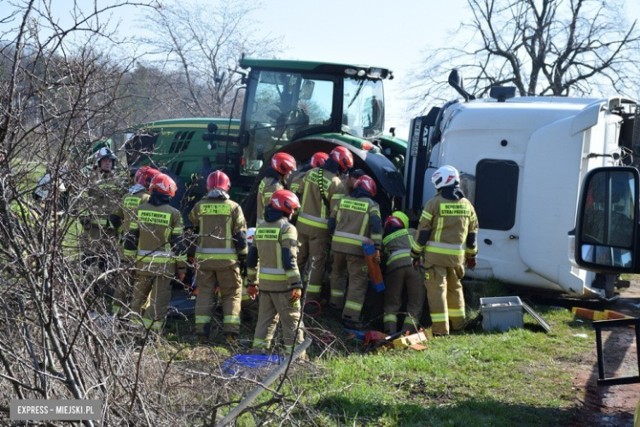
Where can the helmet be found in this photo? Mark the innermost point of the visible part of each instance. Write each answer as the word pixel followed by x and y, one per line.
pixel 163 184
pixel 318 159
pixel 218 179
pixel 144 175
pixel 284 201
pixel 404 219
pixel 102 153
pixel 367 183
pixel 393 221
pixel 251 232
pixel 445 176
pixel 343 158
pixel 283 163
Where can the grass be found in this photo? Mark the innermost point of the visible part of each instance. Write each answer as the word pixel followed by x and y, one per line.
pixel 519 377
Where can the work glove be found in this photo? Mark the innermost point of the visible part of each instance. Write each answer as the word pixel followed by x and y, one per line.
pixel 253 291
pixel 470 263
pixel 242 263
pixel 296 294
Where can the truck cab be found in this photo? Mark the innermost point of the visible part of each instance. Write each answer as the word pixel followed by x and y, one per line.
pixel 522 162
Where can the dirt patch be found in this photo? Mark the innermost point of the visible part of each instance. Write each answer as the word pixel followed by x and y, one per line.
pixel 611 405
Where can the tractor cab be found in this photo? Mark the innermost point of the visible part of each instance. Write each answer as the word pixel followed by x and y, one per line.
pixel 288 100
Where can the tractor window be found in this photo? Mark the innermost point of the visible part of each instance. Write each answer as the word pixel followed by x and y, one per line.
pixel 283 104
pixel 363 107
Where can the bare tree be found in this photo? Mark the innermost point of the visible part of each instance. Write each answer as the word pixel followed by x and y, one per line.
pixel 204 43
pixel 542 47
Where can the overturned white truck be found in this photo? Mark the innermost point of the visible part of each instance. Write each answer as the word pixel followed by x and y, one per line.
pixel 522 162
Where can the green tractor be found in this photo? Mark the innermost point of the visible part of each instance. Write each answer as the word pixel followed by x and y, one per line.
pixel 298 107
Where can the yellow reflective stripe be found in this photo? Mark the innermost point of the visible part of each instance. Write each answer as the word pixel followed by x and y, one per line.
pixel 395 234
pixel 352 305
pixel 337 293
pixel 312 223
pixel 154 259
pixel 314 289
pixel 231 320
pixel 129 252
pixel 439 317
pixel 454 209
pixel 376 237
pixel 178 230
pixel 100 222
pixel 437 236
pixel 456 312
pixel 469 251
pixel 202 256
pixel 347 240
pixel 292 274
pixel 259 343
pixel 291 235
pixel 202 319
pixel 390 318
pixel 444 251
pixel 426 216
pixel 274 277
pixel 153 217
pixel 404 253
pixel 416 247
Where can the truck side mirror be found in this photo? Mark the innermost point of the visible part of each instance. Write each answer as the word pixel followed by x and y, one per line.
pixel 606 234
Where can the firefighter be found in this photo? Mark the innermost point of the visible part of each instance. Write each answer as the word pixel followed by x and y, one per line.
pixel 220 253
pixel 351 179
pixel 282 165
pixel 322 189
pixel 295 182
pixel 103 191
pixel 400 275
pixel 121 219
pixel 273 273
pixel 156 236
pixel 356 220
pixel 446 241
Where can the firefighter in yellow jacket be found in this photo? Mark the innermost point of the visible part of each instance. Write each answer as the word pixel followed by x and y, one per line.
pixel 446 239
pixel 273 272
pixel 156 236
pixel 400 275
pixel 121 219
pixel 275 177
pixel 103 191
pixel 221 250
pixel 322 189
pixel 356 219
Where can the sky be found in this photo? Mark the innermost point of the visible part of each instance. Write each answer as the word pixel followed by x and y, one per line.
pixel 389 34
pixel 384 33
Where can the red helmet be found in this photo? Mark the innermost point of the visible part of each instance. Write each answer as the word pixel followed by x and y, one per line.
pixel 218 179
pixel 318 159
pixel 163 184
pixel 144 175
pixel 367 183
pixel 284 201
pixel 343 158
pixel 283 163
pixel 393 221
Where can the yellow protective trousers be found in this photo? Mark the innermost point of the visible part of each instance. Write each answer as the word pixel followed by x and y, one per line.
pixel 396 281
pixel 229 282
pixel 446 300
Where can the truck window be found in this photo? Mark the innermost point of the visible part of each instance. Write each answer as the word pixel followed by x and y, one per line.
pixel 496 193
pixel 608 219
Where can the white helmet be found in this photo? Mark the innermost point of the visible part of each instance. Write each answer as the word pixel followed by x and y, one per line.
pixel 445 176
pixel 250 233
pixel 102 153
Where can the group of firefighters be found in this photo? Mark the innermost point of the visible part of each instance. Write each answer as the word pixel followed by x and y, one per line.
pixel 307 223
